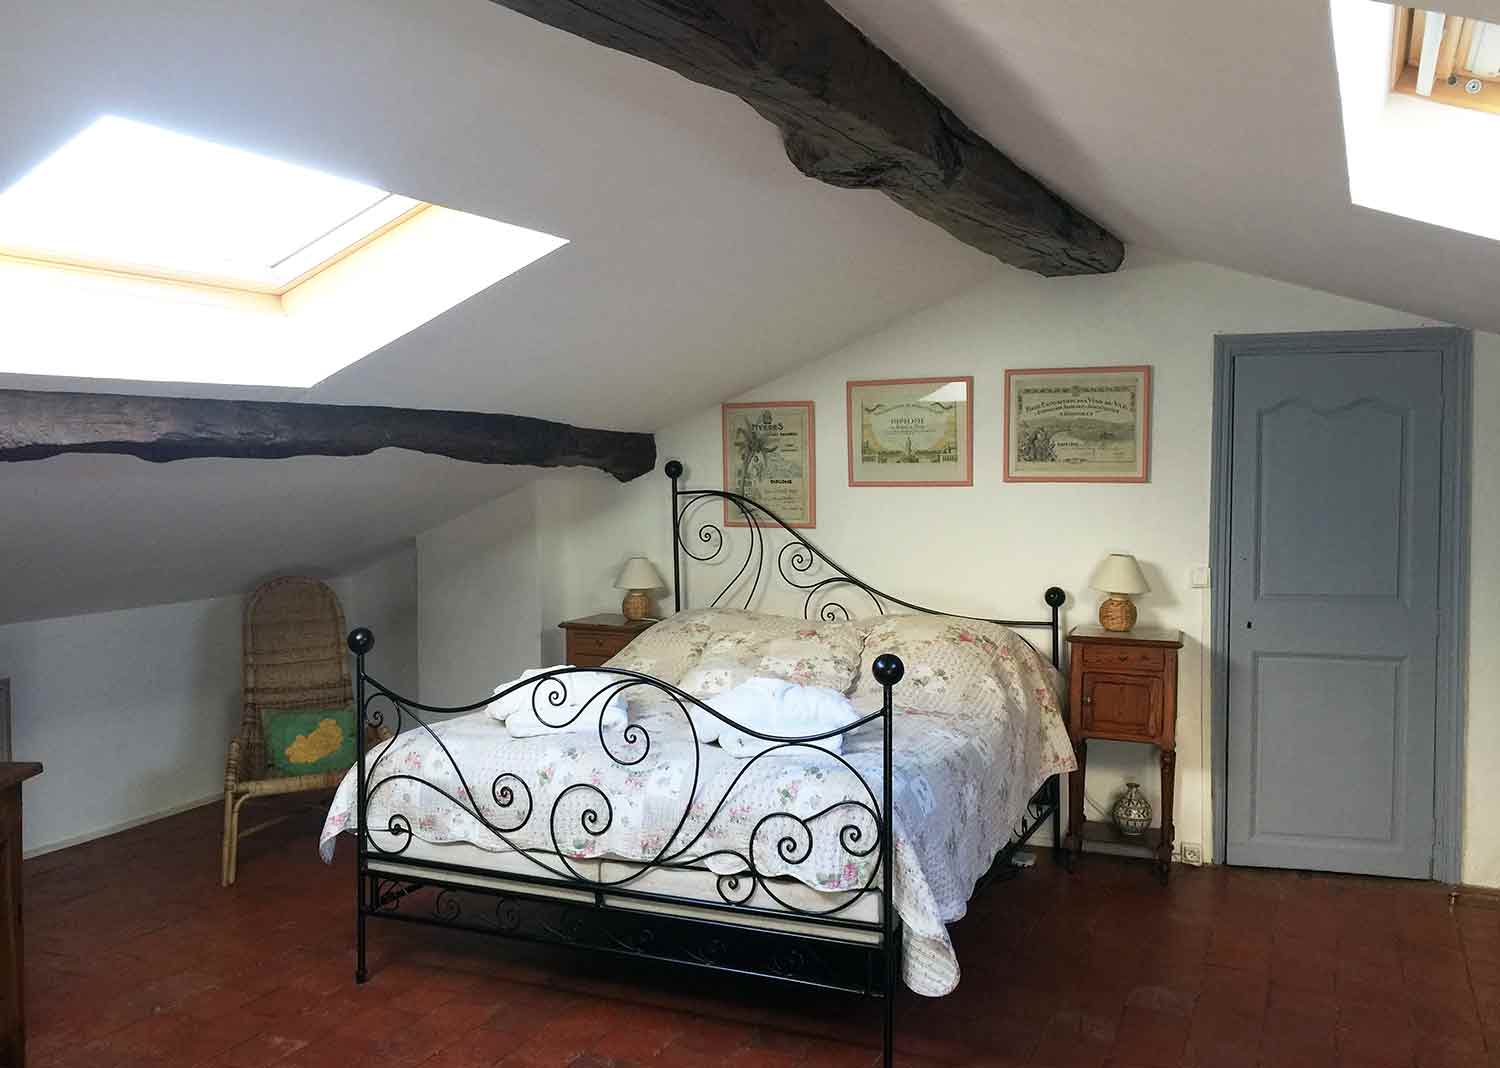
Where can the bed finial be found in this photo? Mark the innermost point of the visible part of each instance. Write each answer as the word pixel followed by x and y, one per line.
pixel 888 669
pixel 361 640
pixel 1055 596
pixel 673 469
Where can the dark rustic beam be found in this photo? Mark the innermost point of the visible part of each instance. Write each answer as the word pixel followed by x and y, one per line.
pixel 35 425
pixel 850 116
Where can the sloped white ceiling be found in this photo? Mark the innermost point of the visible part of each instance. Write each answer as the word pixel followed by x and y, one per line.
pixel 700 262
pixel 1212 130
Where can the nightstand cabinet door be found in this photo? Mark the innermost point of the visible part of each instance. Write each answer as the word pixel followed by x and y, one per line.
pixel 1127 707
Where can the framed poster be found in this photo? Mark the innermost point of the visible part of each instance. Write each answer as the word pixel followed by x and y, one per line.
pixel 768 457
pixel 911 432
pixel 1078 424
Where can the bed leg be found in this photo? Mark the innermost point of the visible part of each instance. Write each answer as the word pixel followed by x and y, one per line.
pixel 890 1028
pixel 361 973
pixel 1059 855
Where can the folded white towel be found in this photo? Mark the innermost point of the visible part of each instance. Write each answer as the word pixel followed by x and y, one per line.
pixel 559 700
pixel 525 723
pixel 775 706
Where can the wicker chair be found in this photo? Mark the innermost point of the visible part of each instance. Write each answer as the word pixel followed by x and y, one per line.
pixel 294 658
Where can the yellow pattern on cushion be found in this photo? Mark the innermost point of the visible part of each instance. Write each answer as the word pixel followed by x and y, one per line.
pixel 313 747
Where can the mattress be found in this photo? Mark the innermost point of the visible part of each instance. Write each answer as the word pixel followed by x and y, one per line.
pixel 685 884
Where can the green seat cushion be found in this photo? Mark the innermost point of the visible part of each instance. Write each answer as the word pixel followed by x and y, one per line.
pixel 306 741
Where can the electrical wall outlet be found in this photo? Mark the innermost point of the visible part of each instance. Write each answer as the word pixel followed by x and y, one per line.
pixel 1190 853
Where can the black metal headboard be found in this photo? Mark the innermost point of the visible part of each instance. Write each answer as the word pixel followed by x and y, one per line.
pixel 794 563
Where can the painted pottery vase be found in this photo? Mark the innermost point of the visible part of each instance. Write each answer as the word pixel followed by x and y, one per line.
pixel 1132 812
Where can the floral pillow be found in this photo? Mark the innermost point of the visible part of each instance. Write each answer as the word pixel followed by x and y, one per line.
pixel 809 654
pixel 966 667
pixel 954 665
pixel 667 650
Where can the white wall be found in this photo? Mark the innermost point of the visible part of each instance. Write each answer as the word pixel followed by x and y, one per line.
pixel 993 548
pixel 131 712
pixel 480 599
pixel 383 597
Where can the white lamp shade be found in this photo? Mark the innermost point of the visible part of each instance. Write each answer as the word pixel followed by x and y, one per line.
pixel 639 574
pixel 1119 573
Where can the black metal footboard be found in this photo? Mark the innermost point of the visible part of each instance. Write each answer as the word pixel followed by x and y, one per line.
pixel 749 927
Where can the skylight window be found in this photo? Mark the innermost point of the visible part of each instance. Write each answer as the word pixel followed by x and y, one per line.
pixel 1398 140
pixel 126 196
pixel 1449 59
pixel 134 252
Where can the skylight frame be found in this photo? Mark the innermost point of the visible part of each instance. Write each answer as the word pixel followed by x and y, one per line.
pixel 1454 61
pixel 1395 142
pixel 29 207
pixel 362 282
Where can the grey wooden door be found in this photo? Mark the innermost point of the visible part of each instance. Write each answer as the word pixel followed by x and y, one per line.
pixel 1335 479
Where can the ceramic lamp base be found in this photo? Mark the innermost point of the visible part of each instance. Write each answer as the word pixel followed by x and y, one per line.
pixel 636 606
pixel 1117 613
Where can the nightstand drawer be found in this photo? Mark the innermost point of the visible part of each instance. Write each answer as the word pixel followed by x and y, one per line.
pixel 1121 706
pixel 600 646
pixel 594 639
pixel 1122 658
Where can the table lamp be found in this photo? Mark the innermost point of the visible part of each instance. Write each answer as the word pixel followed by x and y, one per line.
pixel 1119 576
pixel 638 578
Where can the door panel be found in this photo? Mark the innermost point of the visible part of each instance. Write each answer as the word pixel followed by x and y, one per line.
pixel 1335 480
pixel 1308 524
pixel 1328 774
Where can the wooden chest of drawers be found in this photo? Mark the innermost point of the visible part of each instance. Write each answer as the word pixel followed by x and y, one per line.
pixel 594 639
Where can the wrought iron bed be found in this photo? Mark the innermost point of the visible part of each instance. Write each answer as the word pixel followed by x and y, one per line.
pixel 751 929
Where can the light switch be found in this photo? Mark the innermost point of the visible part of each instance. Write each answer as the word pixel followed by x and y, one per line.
pixel 1201 577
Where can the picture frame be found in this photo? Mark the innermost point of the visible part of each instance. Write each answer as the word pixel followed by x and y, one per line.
pixel 1078 424
pixel 769 456
pixel 910 431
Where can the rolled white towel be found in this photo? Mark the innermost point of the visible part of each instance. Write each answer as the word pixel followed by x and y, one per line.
pixel 556 697
pixel 775 706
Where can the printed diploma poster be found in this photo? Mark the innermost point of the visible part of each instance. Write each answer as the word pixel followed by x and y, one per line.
pixel 1078 424
pixel 911 432
pixel 768 457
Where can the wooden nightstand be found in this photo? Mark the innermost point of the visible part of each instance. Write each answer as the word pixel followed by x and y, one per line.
pixel 1123 687
pixel 594 639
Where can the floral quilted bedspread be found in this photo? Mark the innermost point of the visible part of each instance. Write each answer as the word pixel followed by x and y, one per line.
pixel 962 780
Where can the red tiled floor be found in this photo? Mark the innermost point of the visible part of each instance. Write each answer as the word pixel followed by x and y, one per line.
pixel 136 957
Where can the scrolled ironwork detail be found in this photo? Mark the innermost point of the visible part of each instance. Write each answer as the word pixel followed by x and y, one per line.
pixel 795 560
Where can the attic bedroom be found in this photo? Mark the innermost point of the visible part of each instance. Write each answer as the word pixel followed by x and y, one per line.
pixel 859 533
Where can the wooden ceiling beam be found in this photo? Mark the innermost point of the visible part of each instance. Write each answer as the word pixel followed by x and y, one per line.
pixel 850 116
pixel 36 424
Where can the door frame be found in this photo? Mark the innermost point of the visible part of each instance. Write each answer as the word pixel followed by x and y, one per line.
pixel 1453 350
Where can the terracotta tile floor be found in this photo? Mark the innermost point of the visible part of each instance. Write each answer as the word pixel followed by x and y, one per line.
pixel 136 957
